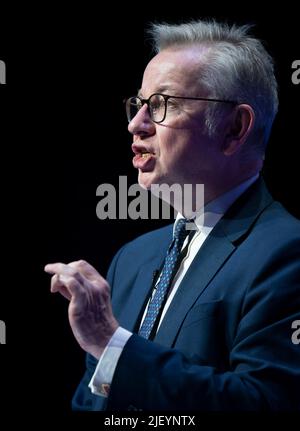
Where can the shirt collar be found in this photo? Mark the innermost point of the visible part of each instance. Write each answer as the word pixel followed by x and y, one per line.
pixel 209 215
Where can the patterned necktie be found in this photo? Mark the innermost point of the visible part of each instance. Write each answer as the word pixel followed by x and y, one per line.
pixel 171 261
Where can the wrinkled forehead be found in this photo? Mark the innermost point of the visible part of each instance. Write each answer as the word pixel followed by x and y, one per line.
pixel 174 69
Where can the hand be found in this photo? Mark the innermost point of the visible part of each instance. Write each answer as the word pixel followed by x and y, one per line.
pixel 90 312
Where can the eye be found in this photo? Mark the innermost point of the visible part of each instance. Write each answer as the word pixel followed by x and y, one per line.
pixel 157 103
pixel 172 103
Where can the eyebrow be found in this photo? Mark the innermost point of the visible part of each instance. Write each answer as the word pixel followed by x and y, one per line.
pixel 160 89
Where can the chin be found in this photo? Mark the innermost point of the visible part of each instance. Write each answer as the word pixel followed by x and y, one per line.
pixel 146 179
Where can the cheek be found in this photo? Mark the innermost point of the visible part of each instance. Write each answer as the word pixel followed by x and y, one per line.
pixel 191 154
pixel 174 144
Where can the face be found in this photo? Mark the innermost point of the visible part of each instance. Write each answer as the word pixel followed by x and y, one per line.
pixel 177 150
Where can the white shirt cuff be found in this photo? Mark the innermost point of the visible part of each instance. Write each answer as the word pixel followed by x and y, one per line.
pixel 104 372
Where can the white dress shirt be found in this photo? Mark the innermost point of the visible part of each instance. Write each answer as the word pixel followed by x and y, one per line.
pixel 205 221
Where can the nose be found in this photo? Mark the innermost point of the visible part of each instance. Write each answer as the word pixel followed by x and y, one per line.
pixel 141 124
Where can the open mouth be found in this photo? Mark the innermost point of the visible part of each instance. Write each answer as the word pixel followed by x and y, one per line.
pixel 144 160
pixel 146 155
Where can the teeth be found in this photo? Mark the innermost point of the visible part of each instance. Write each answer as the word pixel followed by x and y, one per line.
pixel 145 155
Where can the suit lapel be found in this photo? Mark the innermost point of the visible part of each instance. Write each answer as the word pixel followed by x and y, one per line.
pixel 213 253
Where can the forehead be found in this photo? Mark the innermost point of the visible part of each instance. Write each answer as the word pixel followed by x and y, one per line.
pixel 173 69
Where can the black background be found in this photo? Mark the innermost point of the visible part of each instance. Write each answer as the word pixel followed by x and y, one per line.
pixel 64 132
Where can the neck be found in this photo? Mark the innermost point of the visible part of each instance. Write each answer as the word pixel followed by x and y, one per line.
pixel 189 199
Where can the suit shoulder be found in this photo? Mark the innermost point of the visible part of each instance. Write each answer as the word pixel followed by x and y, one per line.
pixel 278 220
pixel 155 237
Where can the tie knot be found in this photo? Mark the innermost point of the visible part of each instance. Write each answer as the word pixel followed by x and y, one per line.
pixel 180 231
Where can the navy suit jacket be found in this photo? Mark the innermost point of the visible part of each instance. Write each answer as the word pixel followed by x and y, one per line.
pixel 225 342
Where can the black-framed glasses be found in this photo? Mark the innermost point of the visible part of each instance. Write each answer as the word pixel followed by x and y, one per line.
pixel 157 105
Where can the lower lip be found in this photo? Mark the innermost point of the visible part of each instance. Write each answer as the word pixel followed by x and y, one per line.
pixel 145 164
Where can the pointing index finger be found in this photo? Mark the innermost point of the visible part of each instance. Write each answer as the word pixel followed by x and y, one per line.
pixel 58 268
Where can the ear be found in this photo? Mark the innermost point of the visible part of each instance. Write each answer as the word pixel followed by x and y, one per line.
pixel 241 123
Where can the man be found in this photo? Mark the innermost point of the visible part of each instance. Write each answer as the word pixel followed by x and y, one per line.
pixel 212 331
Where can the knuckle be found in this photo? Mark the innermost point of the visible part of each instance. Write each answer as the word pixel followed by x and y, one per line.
pixel 72 283
pixel 75 273
pixel 104 290
pixel 77 264
pixel 102 285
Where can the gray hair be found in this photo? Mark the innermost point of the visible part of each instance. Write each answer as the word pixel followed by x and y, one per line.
pixel 236 66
